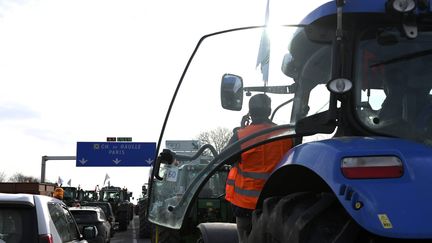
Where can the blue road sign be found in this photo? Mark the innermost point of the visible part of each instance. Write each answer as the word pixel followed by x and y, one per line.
pixel 115 154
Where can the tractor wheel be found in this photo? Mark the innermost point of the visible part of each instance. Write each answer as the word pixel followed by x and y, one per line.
pixel 302 218
pixel 145 227
pixel 165 235
pixel 123 225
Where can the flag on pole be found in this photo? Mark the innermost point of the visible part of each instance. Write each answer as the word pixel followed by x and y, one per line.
pixel 60 181
pixel 264 49
pixel 106 179
pixel 69 183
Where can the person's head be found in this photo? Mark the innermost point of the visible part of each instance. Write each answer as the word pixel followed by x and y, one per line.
pixel 58 193
pixel 259 106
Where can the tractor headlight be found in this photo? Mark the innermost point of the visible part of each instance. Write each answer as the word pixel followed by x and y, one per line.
pixel 402 6
pixel 339 85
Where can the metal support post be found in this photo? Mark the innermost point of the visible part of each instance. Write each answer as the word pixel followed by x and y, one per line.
pixel 46 158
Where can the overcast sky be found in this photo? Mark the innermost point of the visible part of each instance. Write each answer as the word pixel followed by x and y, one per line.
pixel 84 70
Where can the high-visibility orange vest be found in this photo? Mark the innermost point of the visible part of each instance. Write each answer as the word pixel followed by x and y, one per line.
pixel 229 188
pixel 246 178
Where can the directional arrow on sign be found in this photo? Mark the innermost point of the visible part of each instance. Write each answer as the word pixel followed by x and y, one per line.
pixel 117 161
pixel 83 161
pixel 149 161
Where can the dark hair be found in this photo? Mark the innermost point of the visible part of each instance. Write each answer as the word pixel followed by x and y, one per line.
pixel 260 106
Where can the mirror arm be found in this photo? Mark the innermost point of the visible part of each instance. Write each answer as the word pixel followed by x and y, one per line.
pixel 198 153
pixel 285 89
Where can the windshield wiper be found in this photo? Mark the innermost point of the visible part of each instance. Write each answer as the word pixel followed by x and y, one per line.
pixel 404 57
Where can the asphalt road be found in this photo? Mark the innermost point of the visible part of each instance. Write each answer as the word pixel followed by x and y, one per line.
pixel 130 235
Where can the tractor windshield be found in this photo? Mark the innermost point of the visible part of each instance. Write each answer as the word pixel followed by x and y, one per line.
pixel 111 196
pixel 266 61
pixel 394 83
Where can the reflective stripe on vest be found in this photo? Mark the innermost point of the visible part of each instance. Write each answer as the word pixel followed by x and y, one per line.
pixel 230 182
pixel 253 175
pixel 249 193
pixel 229 187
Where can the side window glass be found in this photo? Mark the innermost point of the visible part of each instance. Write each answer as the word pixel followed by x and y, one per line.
pixel 102 215
pixel 63 222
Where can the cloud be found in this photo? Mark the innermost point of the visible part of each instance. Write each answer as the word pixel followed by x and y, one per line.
pixel 8 5
pixel 46 135
pixel 10 112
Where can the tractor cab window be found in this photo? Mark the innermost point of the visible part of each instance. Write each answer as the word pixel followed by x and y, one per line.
pixel 394 82
pixel 68 194
pixel 111 196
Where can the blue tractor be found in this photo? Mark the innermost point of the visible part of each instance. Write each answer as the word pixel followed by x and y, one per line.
pixel 351 84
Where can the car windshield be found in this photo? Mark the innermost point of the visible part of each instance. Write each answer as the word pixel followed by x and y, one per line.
pixel 18 224
pixel 291 74
pixel 394 83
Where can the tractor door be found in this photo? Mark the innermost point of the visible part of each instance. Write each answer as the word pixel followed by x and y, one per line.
pixel 261 64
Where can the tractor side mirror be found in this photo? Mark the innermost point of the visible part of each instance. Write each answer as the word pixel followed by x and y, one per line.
pixel 232 92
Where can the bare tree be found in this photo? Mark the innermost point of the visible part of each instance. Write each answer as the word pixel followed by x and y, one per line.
pixel 19 177
pixel 218 137
pixel 2 177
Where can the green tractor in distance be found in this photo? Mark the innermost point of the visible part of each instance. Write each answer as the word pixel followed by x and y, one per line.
pixel 120 202
pixel 209 206
pixel 72 195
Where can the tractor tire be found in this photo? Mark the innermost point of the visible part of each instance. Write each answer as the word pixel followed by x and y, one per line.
pixel 123 225
pixel 145 227
pixel 302 218
pixel 165 235
pixel 131 212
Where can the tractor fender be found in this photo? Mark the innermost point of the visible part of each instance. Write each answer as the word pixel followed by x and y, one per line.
pixel 392 207
pixel 218 232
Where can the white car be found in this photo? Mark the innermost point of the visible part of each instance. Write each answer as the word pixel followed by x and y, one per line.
pixel 38 218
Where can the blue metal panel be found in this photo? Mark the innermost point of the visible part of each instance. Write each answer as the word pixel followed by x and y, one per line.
pixel 115 154
pixel 351 6
pixel 404 201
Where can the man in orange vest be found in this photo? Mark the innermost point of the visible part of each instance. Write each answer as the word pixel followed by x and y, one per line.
pixel 252 168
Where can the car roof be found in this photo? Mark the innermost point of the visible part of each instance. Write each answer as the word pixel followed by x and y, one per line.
pixel 24 198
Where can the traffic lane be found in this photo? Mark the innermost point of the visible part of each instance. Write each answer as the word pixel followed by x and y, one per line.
pixel 130 235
